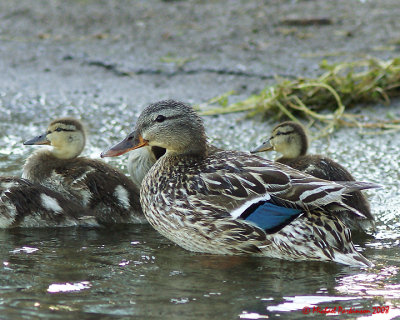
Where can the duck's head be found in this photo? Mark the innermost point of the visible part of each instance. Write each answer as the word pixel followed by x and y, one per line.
pixel 288 138
pixel 168 124
pixel 65 135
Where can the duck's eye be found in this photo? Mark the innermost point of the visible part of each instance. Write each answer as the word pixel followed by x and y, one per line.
pixel 160 118
pixel 58 129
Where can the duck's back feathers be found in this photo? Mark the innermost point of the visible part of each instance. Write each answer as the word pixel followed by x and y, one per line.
pixel 240 178
pixel 95 184
pixel 27 204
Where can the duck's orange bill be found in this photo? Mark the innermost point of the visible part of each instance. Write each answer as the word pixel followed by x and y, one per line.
pixel 128 144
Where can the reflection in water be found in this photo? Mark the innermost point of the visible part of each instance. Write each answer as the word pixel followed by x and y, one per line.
pixel 372 284
pixel 68 287
pixel 253 315
pixel 24 249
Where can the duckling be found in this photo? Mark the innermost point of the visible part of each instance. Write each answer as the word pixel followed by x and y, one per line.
pixel 290 139
pixel 94 184
pixel 140 161
pixel 28 205
pixel 231 202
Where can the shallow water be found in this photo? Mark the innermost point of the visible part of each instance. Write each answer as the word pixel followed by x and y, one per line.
pixel 133 272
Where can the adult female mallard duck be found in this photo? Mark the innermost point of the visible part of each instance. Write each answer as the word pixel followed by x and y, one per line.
pixel 228 202
pixel 290 139
pixel 94 184
pixel 29 205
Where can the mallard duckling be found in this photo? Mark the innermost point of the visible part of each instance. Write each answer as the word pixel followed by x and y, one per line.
pixel 93 183
pixel 229 202
pixel 290 139
pixel 140 161
pixel 28 205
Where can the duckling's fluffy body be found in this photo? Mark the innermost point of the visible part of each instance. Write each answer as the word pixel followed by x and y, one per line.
pixel 227 202
pixel 30 205
pixel 290 139
pixel 94 184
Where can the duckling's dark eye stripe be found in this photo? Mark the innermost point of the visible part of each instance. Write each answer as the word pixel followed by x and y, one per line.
pixel 59 130
pixel 283 133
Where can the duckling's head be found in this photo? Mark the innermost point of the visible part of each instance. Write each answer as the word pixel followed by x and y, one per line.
pixel 167 124
pixel 65 135
pixel 288 138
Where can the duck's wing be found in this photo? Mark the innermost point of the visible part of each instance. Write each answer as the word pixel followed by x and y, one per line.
pixel 241 183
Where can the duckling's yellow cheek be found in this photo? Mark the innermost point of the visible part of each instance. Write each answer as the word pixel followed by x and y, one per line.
pixel 56 142
pixel 280 146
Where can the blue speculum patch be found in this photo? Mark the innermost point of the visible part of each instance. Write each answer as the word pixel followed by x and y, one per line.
pixel 268 216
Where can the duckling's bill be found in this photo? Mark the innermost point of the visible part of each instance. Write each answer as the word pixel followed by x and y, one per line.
pixel 266 146
pixel 39 140
pixel 131 142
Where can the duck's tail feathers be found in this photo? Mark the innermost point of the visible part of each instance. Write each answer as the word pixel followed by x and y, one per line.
pixel 352 186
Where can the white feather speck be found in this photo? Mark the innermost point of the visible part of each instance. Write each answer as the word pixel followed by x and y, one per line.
pixel 50 203
pixel 123 196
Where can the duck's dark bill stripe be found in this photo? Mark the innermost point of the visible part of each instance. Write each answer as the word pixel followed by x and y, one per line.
pixel 268 216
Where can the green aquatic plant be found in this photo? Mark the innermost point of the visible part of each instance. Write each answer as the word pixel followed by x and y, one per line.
pixel 326 98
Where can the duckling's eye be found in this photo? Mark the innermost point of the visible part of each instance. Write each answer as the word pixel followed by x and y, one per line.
pixel 160 118
pixel 58 129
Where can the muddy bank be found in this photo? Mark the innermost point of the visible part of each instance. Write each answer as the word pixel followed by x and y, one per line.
pixel 141 51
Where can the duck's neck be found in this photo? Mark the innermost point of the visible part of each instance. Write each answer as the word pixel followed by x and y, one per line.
pixel 66 153
pixel 178 157
pixel 292 152
pixel 39 164
pixel 197 149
